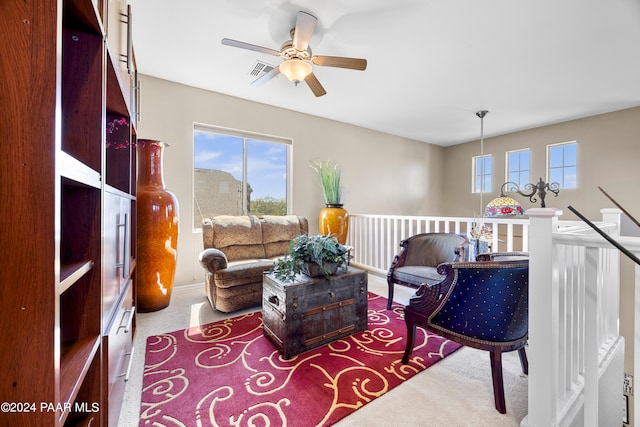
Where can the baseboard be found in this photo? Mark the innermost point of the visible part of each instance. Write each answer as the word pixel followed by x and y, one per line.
pixel 188 287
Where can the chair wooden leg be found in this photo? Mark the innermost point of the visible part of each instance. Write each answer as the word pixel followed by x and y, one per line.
pixel 390 294
pixel 498 385
pixel 524 362
pixel 411 336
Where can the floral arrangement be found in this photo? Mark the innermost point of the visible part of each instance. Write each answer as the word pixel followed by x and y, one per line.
pixel 329 175
pixel 480 231
pixel 116 137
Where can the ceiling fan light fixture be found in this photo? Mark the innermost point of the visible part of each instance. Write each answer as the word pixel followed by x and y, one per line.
pixel 297 56
pixel 296 70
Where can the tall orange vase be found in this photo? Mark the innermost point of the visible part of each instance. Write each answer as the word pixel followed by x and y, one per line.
pixel 157 228
pixel 334 221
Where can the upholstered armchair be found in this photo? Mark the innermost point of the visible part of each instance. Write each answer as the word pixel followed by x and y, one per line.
pixel 481 304
pixel 419 257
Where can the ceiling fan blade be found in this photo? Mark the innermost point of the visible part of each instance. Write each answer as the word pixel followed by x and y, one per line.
pixel 249 46
pixel 314 85
pixel 340 62
pixel 305 26
pixel 266 77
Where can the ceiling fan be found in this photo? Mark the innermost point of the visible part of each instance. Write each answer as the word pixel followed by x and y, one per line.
pixel 297 56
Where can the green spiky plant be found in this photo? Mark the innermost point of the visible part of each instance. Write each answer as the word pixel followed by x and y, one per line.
pixel 329 175
pixel 322 250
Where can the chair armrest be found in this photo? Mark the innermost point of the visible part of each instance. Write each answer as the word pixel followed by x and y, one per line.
pixel 426 299
pixel 213 260
pixel 400 258
pixel 429 297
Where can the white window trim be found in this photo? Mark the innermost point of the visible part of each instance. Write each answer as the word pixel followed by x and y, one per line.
pixel 473 175
pixel 197 126
pixel 548 162
pixel 506 162
pixel 241 133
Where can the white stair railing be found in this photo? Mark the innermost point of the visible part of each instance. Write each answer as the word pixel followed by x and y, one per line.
pixel 376 238
pixel 575 353
pixel 573 325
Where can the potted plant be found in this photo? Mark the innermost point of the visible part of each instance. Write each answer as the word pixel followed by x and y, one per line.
pixel 333 218
pixel 311 255
pixel 329 174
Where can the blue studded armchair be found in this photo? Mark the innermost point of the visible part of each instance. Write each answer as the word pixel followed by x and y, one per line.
pixel 480 304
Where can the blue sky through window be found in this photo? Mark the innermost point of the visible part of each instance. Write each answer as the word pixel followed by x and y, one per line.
pixel 483 172
pixel 518 167
pixel 266 161
pixel 563 164
pixel 267 169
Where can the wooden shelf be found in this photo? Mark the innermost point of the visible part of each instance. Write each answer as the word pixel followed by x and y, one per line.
pixel 82 14
pixel 81 210
pixel 75 170
pixel 76 357
pixel 84 420
pixel 82 88
pixel 72 272
pixel 119 153
pixel 79 376
pixel 116 103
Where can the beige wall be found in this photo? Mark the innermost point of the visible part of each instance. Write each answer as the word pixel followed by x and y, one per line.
pixel 385 174
pixel 608 156
pixel 382 173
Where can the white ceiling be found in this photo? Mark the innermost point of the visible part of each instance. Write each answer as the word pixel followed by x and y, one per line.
pixel 431 63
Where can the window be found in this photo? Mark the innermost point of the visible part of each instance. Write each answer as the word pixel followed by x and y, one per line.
pixel 562 164
pixel 238 173
pixel 518 167
pixel 482 169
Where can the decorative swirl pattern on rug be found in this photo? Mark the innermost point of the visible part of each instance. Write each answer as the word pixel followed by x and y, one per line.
pixel 228 374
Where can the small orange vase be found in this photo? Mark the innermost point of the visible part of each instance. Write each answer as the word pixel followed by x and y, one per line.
pixel 157 230
pixel 334 221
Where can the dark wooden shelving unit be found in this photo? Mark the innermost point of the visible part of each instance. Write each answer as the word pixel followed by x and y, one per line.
pixel 68 217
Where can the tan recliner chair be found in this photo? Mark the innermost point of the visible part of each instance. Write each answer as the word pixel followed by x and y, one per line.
pixel 238 250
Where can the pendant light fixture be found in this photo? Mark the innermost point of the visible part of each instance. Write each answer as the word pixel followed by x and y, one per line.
pixel 481 114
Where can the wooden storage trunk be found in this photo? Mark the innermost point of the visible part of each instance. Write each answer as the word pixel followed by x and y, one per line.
pixel 310 312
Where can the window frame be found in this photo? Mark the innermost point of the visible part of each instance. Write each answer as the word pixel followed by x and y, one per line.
pixel 483 174
pixel 245 136
pixel 564 166
pixel 507 163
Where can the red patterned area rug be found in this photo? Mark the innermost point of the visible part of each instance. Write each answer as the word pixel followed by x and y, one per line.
pixel 228 374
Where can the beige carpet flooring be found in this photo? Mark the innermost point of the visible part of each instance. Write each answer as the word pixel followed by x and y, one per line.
pixel 456 391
